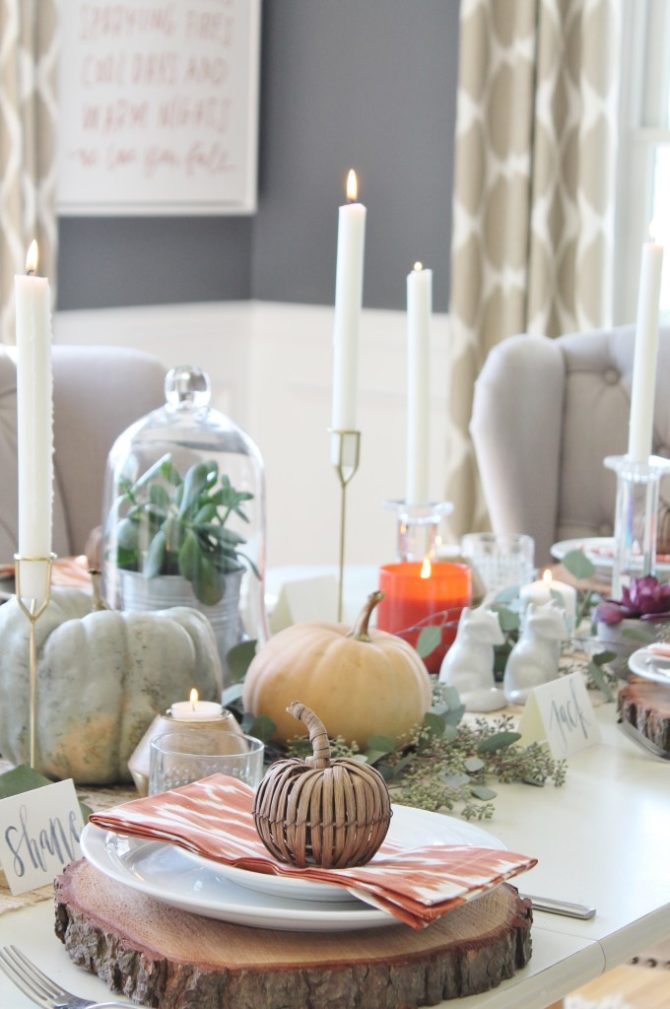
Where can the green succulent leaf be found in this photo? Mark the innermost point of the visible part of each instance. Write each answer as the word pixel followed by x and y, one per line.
pixel 155 555
pixel 127 534
pixel 189 557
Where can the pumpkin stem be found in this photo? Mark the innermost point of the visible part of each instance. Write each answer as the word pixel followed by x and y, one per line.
pixel 98 602
pixel 360 629
pixel 318 736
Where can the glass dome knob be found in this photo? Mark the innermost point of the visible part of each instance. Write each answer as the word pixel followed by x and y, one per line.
pixel 187 387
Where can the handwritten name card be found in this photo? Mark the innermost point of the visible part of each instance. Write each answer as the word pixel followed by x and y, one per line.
pixel 561 713
pixel 158 106
pixel 39 835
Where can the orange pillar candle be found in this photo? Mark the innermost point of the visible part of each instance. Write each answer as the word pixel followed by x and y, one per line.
pixel 421 595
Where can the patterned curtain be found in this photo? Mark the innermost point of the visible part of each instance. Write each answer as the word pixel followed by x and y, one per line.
pixel 533 194
pixel 28 72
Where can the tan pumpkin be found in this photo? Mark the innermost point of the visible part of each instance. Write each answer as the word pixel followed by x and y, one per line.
pixel 102 677
pixel 362 682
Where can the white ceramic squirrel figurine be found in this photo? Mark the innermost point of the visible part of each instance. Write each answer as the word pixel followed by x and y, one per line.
pixel 468 665
pixel 534 658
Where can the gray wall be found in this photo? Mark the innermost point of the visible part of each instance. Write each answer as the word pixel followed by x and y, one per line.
pixel 369 84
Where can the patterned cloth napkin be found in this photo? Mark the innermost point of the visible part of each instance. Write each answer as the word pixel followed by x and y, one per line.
pixel 213 818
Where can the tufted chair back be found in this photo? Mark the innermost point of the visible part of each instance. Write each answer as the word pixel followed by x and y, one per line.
pixel 545 415
pixel 98 392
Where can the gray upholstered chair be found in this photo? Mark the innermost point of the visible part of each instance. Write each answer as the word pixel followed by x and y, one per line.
pixel 98 392
pixel 545 415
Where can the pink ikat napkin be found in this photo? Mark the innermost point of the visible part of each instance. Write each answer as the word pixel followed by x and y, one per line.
pixel 213 818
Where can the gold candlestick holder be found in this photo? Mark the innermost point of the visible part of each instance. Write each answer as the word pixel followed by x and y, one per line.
pixel 346 457
pixel 33 610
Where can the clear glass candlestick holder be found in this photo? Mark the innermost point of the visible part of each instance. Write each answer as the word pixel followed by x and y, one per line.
pixel 418 528
pixel 636 517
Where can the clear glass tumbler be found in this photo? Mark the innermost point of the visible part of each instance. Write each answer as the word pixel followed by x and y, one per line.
pixel 500 559
pixel 178 758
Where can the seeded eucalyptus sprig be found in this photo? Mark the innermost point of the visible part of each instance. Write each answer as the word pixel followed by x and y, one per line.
pixel 447 765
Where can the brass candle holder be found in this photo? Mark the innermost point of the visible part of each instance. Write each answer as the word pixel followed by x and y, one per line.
pixel 33 612
pixel 346 457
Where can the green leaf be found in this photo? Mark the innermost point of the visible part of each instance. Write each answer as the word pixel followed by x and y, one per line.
pixel 195 482
pixel 127 534
pixel 498 741
pixel 170 472
pixel 455 715
pixel 24 779
pixel 451 697
pixel 482 792
pixel 508 619
pixel 259 726
pixel 372 756
pixel 428 640
pixel 232 694
pixel 155 555
pixel 435 724
pixel 385 744
pixel 238 659
pixel 159 496
pixel 600 681
pixel 474 764
pixel 456 780
pixel 508 595
pixel 602 658
pixel 189 557
pixel 578 565
pixel 450 733
pixel 208 584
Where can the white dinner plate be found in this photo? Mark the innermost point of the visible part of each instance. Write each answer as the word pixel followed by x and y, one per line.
pixel 171 875
pixel 645 663
pixel 599 550
pixel 409 827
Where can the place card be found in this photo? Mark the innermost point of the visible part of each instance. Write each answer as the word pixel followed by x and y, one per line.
pixel 561 713
pixel 39 834
pixel 305 600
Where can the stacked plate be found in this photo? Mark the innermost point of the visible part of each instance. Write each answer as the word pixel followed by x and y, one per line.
pixel 600 551
pixel 648 664
pixel 190 882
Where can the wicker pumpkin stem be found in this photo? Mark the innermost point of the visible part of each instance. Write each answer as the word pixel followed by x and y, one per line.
pixel 318 736
pixel 360 629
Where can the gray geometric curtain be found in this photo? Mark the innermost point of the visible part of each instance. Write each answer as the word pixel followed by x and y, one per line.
pixel 532 238
pixel 28 76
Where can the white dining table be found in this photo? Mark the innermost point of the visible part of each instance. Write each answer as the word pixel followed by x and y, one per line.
pixel 602 839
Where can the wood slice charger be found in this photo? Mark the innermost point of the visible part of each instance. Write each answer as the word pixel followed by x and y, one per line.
pixel 645 705
pixel 161 956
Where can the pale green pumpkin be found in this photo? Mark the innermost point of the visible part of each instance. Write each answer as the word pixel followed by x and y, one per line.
pixel 102 677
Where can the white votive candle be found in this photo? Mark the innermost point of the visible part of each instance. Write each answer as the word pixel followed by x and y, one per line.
pixel 34 404
pixel 547 588
pixel 195 710
pixel 419 308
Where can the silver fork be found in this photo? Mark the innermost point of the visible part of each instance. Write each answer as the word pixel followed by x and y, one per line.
pixel 41 989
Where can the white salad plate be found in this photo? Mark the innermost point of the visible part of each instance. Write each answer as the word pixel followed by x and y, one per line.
pixel 409 827
pixel 598 549
pixel 644 662
pixel 175 877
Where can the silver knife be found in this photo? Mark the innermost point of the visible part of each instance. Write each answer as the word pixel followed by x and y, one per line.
pixel 564 907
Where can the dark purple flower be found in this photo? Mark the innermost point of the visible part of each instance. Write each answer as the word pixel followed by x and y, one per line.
pixel 645 598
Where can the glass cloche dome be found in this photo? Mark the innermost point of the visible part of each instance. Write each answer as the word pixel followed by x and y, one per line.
pixel 184 514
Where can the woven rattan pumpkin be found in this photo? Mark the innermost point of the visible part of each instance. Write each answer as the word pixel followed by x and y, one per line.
pixel 332 813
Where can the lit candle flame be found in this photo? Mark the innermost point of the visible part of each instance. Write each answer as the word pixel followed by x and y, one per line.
pixel 418 265
pixel 547 578
pixel 352 186
pixel 32 258
pixel 193 698
pixel 426 568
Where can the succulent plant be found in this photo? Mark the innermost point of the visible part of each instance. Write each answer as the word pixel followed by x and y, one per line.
pixel 645 598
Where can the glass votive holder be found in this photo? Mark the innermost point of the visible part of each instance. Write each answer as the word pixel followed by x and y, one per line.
pixel 500 559
pixel 417 596
pixel 179 758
